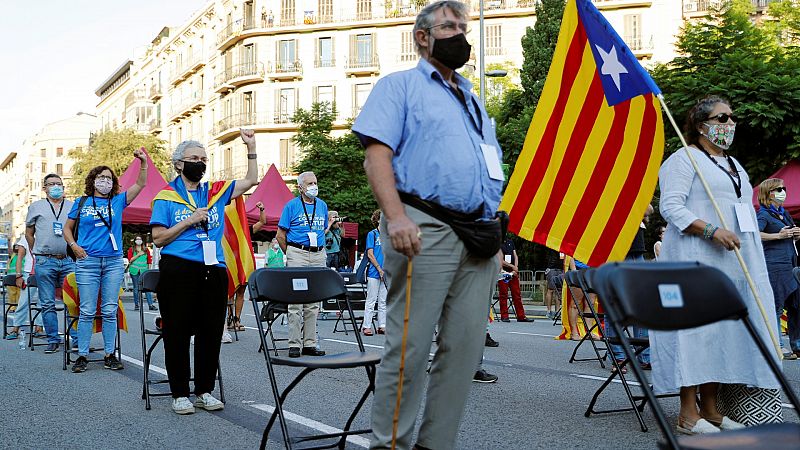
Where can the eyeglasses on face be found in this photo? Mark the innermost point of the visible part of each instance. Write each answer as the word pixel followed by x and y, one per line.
pixel 194 159
pixel 779 189
pixel 104 177
pixel 723 118
pixel 54 183
pixel 452 27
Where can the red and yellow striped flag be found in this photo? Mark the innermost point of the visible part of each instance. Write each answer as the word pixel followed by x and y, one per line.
pixel 589 165
pixel 237 246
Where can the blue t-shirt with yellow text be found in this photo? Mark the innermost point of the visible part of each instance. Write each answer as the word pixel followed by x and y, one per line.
pixel 94 236
pixel 295 220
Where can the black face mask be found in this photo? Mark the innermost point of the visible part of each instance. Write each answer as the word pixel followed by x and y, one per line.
pixel 194 171
pixel 453 52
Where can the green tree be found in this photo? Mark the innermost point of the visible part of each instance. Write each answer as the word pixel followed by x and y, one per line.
pixel 338 164
pixel 727 54
pixel 787 23
pixel 114 149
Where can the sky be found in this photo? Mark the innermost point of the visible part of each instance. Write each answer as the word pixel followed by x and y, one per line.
pixel 56 53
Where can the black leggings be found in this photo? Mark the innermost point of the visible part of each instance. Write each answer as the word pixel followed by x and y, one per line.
pixel 193 299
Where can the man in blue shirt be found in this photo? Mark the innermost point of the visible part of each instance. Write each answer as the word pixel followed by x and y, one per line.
pixel 301 236
pixel 430 142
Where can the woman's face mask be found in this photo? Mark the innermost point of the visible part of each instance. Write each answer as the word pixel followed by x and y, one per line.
pixel 138 241
pixel 721 134
pixel 103 185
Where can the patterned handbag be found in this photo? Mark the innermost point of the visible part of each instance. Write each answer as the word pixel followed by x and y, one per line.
pixel 750 405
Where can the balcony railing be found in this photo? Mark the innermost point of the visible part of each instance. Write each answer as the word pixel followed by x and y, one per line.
pixel 700 6
pixel 362 64
pixel 230 173
pixel 155 126
pixel 232 123
pixel 187 105
pixel 187 67
pixel 155 92
pixel 495 51
pixel 285 70
pixel 638 43
pixel 234 28
pixel 329 62
pixel 283 117
pixel 239 75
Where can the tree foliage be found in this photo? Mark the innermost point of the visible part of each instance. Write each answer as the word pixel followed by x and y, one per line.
pixel 114 148
pixel 728 54
pixel 338 164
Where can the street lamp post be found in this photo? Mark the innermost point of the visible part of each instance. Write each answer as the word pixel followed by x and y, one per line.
pixel 481 65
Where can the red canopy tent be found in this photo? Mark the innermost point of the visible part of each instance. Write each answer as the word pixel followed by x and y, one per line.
pixel 790 174
pixel 273 193
pixel 138 212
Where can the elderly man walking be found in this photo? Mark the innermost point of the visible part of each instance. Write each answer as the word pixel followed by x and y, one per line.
pixel 433 162
pixel 301 236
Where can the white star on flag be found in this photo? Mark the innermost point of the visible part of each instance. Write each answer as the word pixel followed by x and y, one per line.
pixel 611 65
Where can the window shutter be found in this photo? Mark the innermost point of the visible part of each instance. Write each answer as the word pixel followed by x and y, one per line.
pixel 352 48
pixel 277 105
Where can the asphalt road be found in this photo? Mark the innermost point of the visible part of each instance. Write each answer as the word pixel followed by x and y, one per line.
pixel 538 401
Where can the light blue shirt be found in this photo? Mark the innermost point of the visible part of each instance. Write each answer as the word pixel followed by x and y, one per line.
pixel 299 221
pixel 435 138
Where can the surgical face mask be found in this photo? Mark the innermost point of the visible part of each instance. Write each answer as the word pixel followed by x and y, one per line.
pixel 138 241
pixel 194 170
pixel 780 196
pixel 56 192
pixel 274 246
pixel 103 185
pixel 453 52
pixel 721 134
pixel 312 191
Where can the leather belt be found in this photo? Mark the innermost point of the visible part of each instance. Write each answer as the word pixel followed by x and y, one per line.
pixel 49 255
pixel 305 247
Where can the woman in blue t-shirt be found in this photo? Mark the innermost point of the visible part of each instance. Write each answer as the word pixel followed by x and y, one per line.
pixel 376 280
pixel 188 224
pixel 97 245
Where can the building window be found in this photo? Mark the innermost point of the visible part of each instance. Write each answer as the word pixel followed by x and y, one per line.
pixel 363 9
pixel 325 52
pixel 325 94
pixel 59 151
pixel 249 107
pixel 60 170
pixel 286 147
pixel 362 51
pixel 633 31
pixel 287 56
pixel 360 94
pixel 325 11
pixel 43 153
pixel 408 51
pixel 494 40
pixel 287 13
pixel 44 167
pixel 286 104
pixel 249 15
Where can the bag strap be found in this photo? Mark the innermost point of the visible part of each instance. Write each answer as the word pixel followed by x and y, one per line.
pixel 81 202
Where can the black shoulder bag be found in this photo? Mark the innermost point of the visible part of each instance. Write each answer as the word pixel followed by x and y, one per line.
pixel 70 253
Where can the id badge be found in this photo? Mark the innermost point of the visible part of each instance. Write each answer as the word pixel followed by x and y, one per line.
pixel 113 241
pixel 58 229
pixel 312 239
pixel 210 253
pixel 744 216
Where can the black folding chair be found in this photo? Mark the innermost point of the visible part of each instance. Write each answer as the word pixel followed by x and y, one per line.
pixel 576 279
pixel 8 281
pixel 34 311
pixel 69 322
pixel 512 310
pixel 349 279
pixel 270 313
pixel 148 282
pixel 678 296
pixel 303 285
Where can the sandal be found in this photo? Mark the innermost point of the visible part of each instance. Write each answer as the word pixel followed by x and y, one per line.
pixel 381 330
pixel 240 327
pixel 614 369
pixel 574 337
pixel 726 424
pixel 367 332
pixel 702 426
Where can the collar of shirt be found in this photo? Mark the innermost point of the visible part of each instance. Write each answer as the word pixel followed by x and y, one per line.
pixel 429 70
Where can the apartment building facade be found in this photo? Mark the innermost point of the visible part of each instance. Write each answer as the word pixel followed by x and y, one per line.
pixel 253 63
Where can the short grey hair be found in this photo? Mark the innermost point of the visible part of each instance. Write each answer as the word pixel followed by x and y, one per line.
pixel 425 18
pixel 180 150
pixel 302 176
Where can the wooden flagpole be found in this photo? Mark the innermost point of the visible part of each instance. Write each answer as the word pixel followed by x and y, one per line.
pixel 724 225
pixel 396 417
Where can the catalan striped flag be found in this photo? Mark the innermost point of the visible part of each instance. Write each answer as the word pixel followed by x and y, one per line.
pixel 589 164
pixel 237 246
pixel 73 303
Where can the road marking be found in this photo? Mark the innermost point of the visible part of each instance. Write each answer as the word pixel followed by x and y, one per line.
pixel 531 334
pixel 634 383
pixel 319 426
pixel 310 423
pixel 352 343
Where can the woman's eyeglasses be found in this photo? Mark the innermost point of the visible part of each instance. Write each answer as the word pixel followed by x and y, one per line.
pixel 779 189
pixel 723 117
pixel 104 177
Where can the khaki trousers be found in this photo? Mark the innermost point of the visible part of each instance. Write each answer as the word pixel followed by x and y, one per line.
pixel 450 288
pixel 308 326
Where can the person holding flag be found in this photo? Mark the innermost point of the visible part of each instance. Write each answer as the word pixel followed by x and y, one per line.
pixel 188 225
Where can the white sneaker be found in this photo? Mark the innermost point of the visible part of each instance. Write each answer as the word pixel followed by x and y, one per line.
pixel 226 338
pixel 182 405
pixel 208 402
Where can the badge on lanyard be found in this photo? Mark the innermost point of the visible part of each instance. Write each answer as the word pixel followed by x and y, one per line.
pixel 210 253
pixel 312 239
pixel 58 229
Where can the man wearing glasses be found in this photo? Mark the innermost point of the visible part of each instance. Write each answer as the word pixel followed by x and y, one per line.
pixel 431 151
pixel 44 231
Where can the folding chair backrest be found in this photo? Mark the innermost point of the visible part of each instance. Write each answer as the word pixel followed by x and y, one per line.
pixel 10 280
pixel 296 285
pixel 587 277
pixel 668 296
pixel 571 278
pixel 349 278
pixel 148 280
pixel 32 281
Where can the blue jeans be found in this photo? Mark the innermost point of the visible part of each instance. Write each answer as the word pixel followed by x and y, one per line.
pixel 104 276
pixel 50 274
pixel 20 318
pixel 148 295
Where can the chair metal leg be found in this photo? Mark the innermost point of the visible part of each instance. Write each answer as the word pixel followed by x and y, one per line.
pixel 221 386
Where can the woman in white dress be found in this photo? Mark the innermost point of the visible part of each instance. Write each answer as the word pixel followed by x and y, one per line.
pixel 702 358
pixel 657 245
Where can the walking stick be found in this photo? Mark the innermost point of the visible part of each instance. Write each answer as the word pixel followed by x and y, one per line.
pixel 725 225
pixel 396 417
